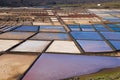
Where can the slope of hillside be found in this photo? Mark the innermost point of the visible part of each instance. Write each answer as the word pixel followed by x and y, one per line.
pixel 12 3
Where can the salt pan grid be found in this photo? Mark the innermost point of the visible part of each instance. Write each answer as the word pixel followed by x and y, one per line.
pixel 64 33
pixel 84 27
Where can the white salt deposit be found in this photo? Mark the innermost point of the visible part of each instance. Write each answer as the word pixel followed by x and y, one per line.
pixel 6 44
pixel 63 46
pixel 32 46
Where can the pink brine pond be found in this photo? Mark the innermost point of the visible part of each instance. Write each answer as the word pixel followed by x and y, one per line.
pixel 60 66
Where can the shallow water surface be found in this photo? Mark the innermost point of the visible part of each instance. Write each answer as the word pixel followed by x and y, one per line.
pixel 60 66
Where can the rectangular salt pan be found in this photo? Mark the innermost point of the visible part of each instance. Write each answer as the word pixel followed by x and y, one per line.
pixel 31 46
pixel 113 27
pixel 16 35
pixel 74 27
pixel 51 36
pixel 111 35
pixel 63 46
pixel 88 29
pixel 94 46
pixel 7 44
pixel 52 29
pixel 113 20
pixel 86 26
pixel 116 44
pixel 100 27
pixel 27 28
pixel 86 35
pixel 13 64
pixel 116 29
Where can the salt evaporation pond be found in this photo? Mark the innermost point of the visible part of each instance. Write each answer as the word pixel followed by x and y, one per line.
pixel 60 66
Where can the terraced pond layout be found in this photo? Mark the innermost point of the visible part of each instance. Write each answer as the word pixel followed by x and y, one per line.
pixel 59 44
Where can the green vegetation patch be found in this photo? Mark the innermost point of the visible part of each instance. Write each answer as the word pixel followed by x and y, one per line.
pixel 105 74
